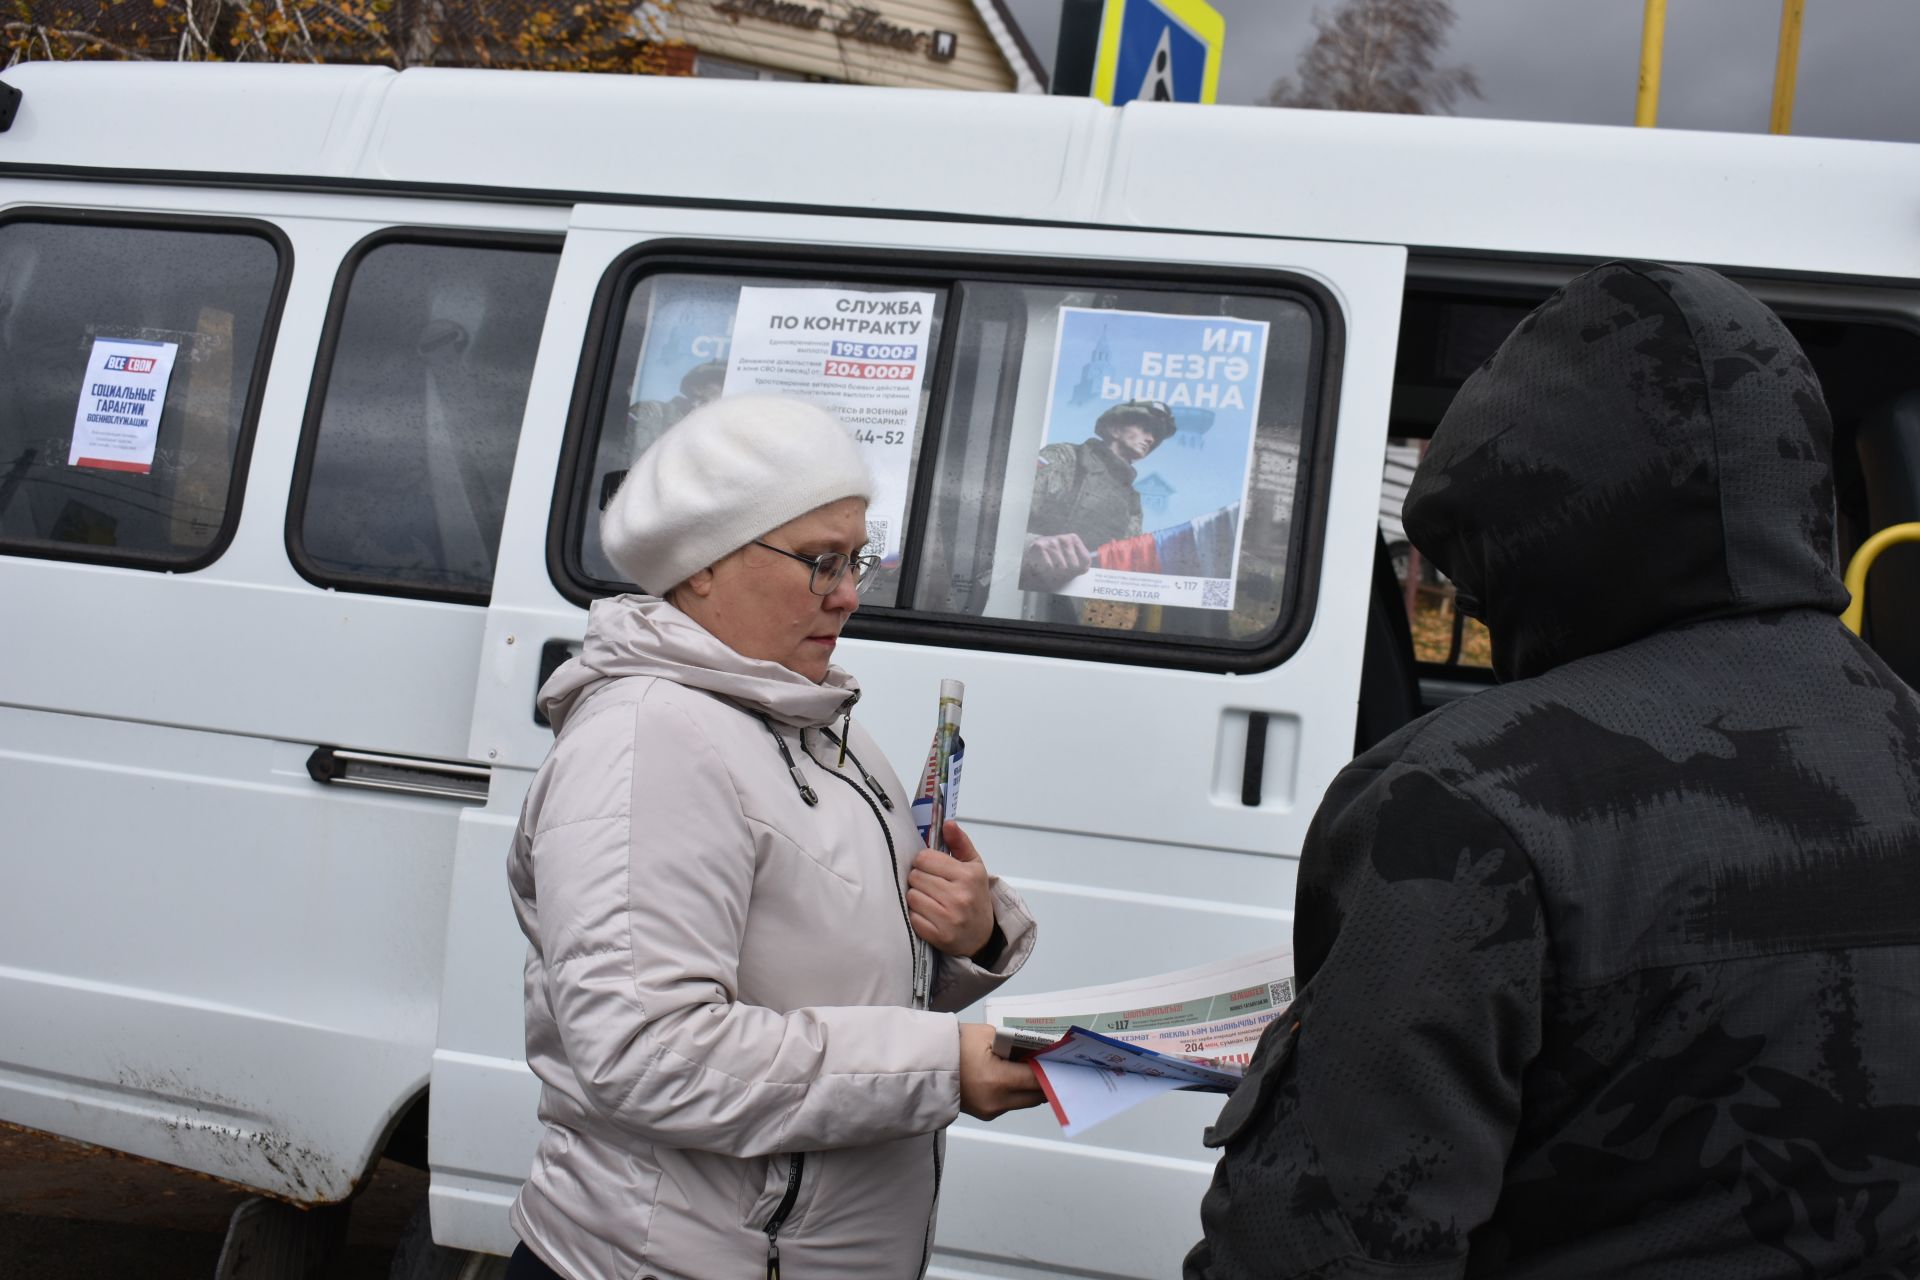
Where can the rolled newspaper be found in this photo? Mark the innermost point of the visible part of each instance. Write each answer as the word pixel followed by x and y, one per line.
pixel 938 797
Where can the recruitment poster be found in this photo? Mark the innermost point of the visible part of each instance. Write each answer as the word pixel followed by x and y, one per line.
pixel 1164 528
pixel 861 356
pixel 117 422
pixel 683 363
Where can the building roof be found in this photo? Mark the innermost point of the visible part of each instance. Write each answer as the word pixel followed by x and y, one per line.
pixel 1029 71
pixel 1530 189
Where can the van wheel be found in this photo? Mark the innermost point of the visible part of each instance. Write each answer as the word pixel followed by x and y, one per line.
pixel 417 1257
pixel 267 1240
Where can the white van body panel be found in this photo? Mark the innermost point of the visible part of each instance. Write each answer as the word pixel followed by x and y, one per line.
pixel 1785 204
pixel 212 960
pixel 1521 188
pixel 227 967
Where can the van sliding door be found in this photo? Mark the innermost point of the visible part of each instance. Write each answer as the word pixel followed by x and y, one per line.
pixel 1147 739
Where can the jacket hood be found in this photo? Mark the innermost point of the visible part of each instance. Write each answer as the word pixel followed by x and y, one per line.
pixel 637 635
pixel 1648 448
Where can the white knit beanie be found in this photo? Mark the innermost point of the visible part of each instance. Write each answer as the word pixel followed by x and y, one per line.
pixel 725 474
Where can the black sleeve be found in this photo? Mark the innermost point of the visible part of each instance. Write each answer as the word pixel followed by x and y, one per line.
pixel 1371 1132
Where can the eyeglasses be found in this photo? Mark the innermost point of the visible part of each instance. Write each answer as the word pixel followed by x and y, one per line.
pixel 828 569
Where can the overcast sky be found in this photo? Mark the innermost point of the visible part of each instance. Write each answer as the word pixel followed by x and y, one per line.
pixel 1578 59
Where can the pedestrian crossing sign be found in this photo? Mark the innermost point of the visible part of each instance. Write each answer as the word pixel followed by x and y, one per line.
pixel 1158 51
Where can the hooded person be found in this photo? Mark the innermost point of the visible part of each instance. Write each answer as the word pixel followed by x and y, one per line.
pixel 740 974
pixel 1613 969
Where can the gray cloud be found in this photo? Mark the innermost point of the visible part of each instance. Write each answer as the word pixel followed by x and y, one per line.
pixel 1577 60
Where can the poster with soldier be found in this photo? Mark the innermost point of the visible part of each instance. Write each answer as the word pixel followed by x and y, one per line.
pixel 1141 480
pixel 683 363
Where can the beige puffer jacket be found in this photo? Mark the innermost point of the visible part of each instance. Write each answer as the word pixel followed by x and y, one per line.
pixel 720 979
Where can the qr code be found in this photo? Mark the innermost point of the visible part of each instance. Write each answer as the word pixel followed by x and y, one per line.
pixel 1214 594
pixel 1281 992
pixel 877 537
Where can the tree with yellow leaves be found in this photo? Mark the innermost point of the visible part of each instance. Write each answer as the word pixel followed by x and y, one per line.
pixel 573 35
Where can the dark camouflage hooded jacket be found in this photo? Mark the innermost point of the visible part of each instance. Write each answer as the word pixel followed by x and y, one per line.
pixel 1614 969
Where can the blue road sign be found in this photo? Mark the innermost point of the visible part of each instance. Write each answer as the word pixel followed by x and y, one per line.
pixel 1158 51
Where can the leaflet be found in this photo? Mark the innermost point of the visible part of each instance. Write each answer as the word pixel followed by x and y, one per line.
pixel 860 355
pixel 1083 1096
pixel 1192 1029
pixel 1220 1008
pixel 117 422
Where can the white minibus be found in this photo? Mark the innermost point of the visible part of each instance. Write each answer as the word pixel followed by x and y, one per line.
pixel 270 635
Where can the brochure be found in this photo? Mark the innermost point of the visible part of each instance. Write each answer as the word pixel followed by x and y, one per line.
pixel 1193 1029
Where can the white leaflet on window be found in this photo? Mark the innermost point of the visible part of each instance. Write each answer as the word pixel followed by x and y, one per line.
pixel 117 423
pixel 860 355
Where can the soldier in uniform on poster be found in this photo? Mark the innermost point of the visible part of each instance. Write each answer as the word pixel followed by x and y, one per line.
pixel 1083 494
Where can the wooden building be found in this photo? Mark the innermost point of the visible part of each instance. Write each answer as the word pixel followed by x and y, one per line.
pixel 928 44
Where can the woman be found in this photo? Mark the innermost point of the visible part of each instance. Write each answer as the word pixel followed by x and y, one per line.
pixel 738 960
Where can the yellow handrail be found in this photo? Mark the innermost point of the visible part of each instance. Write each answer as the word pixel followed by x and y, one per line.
pixel 1863 560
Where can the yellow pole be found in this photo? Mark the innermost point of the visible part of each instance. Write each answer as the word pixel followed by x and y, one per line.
pixel 1787 67
pixel 1653 31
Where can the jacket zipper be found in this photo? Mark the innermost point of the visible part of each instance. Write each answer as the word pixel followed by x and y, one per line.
pixel 912 943
pixel 926 1240
pixel 796 1163
pixel 922 982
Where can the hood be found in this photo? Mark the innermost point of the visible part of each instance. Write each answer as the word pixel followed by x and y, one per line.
pixel 636 635
pixel 1648 448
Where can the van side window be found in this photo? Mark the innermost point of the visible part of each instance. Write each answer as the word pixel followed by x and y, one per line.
pixel 131 357
pixel 1442 635
pixel 420 389
pixel 675 350
pixel 1445 335
pixel 1064 463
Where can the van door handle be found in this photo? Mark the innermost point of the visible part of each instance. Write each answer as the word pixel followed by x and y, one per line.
pixel 1257 758
pixel 405 775
pixel 1255 771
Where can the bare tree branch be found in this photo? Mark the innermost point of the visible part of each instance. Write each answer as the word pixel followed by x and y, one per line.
pixel 1377 55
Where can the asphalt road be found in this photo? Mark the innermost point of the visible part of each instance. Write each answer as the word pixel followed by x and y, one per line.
pixel 74 1212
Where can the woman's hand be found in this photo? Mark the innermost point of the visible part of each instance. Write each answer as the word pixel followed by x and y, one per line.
pixel 991 1086
pixel 948 902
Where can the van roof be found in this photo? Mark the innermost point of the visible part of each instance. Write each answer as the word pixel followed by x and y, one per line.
pixel 1807 205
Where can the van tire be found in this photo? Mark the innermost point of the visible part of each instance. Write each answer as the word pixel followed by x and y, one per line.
pixel 267 1240
pixel 417 1257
